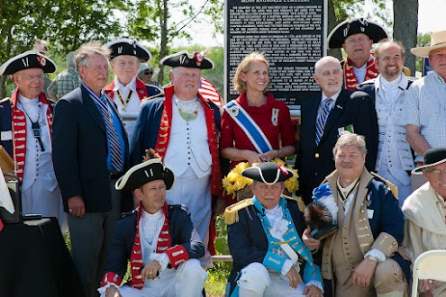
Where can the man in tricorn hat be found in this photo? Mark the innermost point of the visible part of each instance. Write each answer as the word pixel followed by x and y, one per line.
pixel 25 124
pixel 183 128
pixel 264 237
pixel 424 112
pixel 425 212
pixel 356 38
pixel 127 90
pixel 157 239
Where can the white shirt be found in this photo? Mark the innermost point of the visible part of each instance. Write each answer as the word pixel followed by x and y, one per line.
pixel 360 73
pixel 426 109
pixel 150 227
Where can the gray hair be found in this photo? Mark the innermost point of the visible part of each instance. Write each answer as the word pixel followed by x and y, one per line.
pixel 324 60
pixel 350 139
pixel 87 50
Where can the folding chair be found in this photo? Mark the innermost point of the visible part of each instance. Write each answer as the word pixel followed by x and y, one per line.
pixel 429 265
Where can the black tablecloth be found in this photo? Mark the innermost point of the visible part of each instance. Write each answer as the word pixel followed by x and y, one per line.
pixel 34 261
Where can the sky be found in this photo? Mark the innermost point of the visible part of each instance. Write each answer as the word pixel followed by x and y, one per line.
pixel 430 18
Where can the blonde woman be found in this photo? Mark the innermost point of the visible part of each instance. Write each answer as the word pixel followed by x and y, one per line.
pixel 255 127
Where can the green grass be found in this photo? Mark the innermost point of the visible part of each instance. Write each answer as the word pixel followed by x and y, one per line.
pixel 217 279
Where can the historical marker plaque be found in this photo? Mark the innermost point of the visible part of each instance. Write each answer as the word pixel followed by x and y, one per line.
pixel 291 33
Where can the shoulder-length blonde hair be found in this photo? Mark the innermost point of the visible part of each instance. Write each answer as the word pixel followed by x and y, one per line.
pixel 239 85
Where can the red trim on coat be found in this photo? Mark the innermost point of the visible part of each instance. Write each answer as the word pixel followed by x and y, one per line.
pixel 19 131
pixel 111 278
pixel 162 246
pixel 350 80
pixel 140 89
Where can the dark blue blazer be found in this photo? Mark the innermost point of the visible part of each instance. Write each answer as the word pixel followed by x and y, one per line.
pixel 180 229
pixel 247 239
pixel 80 151
pixel 315 162
pixel 147 127
pixel 6 125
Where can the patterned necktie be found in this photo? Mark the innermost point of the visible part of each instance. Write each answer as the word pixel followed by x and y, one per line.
pixel 324 111
pixel 112 135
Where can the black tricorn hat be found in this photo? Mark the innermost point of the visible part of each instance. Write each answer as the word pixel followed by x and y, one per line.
pixel 129 47
pixel 432 157
pixel 183 59
pixel 268 173
pixel 28 60
pixel 143 173
pixel 337 36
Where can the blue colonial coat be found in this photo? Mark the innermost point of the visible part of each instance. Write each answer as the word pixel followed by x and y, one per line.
pixel 180 229
pixel 248 242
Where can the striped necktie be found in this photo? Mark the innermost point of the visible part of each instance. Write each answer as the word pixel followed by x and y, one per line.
pixel 112 135
pixel 324 111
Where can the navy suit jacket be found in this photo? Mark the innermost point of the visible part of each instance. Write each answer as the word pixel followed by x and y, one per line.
pixel 80 151
pixel 247 239
pixel 6 125
pixel 180 229
pixel 315 162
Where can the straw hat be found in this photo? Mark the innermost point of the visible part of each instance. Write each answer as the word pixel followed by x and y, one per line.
pixel 438 40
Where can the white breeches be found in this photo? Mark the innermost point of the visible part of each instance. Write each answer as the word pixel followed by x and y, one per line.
pixel 257 281
pixel 187 281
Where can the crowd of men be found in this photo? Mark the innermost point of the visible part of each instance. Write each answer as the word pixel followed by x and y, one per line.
pixel 85 161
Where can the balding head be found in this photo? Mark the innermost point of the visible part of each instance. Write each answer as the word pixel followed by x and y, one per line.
pixel 328 75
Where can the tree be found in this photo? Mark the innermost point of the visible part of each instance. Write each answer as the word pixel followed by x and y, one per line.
pixel 405 26
pixel 66 24
pixel 153 21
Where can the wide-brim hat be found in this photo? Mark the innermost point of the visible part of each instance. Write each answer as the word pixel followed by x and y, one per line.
pixel 184 59
pixel 28 60
pixel 268 173
pixel 128 47
pixel 337 36
pixel 432 157
pixel 438 40
pixel 143 173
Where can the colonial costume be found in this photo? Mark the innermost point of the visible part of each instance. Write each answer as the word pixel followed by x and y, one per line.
pixel 353 76
pixel 266 243
pixel 425 212
pixel 165 236
pixel 387 106
pixel 370 224
pixel 128 97
pixel 185 134
pixel 25 125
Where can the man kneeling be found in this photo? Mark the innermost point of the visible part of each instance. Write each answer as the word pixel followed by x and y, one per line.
pixel 156 238
pixel 264 236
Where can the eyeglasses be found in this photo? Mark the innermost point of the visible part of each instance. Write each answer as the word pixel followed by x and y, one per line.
pixel 147 72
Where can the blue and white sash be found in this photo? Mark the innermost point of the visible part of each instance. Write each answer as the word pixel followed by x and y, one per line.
pixel 249 126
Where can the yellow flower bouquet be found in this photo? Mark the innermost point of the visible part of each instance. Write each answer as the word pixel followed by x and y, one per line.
pixel 236 185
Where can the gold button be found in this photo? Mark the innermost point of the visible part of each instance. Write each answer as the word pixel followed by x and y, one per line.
pixel 316 155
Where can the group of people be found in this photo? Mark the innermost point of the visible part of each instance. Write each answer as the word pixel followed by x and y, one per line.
pixel 86 156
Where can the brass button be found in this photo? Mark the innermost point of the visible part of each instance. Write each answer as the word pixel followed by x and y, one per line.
pixel 316 155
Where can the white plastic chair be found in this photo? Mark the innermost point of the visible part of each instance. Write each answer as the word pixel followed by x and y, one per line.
pixel 429 265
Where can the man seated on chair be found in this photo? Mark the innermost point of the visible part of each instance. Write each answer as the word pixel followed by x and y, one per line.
pixel 425 212
pixel 156 238
pixel 264 237
pixel 360 259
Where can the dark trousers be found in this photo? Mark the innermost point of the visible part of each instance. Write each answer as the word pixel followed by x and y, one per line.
pixel 90 238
